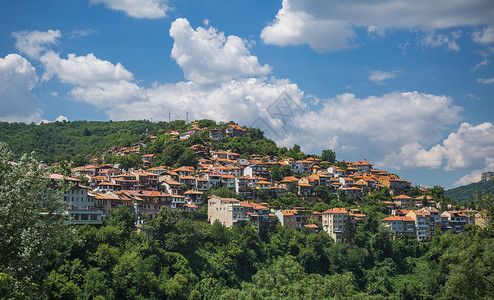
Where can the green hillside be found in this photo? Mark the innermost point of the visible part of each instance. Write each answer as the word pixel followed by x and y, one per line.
pixel 51 141
pixel 466 193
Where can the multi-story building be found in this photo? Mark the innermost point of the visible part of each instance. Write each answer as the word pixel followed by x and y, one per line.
pixel 400 225
pixel 235 130
pixel 242 187
pixel 362 166
pixel 258 170
pixel 228 211
pixel 333 222
pixel 403 201
pixel 216 134
pixel 422 220
pixel 80 205
pixel 457 220
pixel 290 219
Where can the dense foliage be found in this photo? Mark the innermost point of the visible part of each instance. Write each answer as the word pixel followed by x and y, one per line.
pixel 465 194
pixel 177 257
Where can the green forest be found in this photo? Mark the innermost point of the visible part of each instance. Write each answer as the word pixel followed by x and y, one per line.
pixel 465 194
pixel 177 255
pixel 79 140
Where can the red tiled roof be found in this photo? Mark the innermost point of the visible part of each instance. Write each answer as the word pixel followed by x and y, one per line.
pixel 336 210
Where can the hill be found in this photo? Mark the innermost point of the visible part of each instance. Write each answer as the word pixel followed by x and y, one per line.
pixel 78 140
pixel 55 141
pixel 466 193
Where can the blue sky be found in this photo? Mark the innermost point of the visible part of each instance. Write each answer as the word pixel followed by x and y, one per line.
pixel 406 85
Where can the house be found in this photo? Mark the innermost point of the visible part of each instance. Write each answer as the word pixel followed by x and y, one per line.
pixel 289 219
pixel 258 215
pixel 258 170
pixel 456 219
pixel 107 202
pixel 202 184
pixel 243 187
pixel 235 130
pixel 193 197
pixel 147 160
pixel 172 187
pixel 352 191
pixel 216 134
pixel 362 166
pixel 403 201
pixel 333 222
pixel 228 181
pixel 108 186
pixel 422 224
pixel 400 225
pixel 263 185
pixel 228 211
pixel 435 217
pixel 81 207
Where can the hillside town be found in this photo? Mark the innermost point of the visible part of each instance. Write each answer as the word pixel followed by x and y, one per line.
pixel 99 189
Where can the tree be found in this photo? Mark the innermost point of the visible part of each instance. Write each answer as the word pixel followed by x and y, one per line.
pixel 328 155
pixel 32 219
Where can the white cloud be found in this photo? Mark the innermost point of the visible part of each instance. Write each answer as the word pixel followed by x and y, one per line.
pixel 469 147
pixel 33 43
pixel 58 119
pixel 328 25
pixel 293 27
pixel 149 9
pixel 206 56
pixel 373 126
pixel 484 35
pixel 476 175
pixel 82 70
pixel 81 33
pixel 380 76
pixel 109 94
pixel 485 80
pixel 17 79
pixel 434 40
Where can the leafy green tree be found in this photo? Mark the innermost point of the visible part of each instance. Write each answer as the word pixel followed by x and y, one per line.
pixel 58 286
pixel 349 232
pixel 96 286
pixel 33 235
pixel 328 155
pixel 187 158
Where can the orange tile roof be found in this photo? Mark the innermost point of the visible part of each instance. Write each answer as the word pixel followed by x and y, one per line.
pixel 336 210
pixel 398 218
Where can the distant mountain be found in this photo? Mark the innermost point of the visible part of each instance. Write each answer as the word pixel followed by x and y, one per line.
pixel 466 193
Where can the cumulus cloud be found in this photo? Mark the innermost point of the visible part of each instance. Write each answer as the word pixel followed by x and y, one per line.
pixel 82 70
pixel 148 9
pixel 97 81
pixel 58 119
pixel 469 147
pixel 380 76
pixel 33 43
pixel 17 79
pixel 207 56
pixel 329 25
pixel 373 126
pixel 485 80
